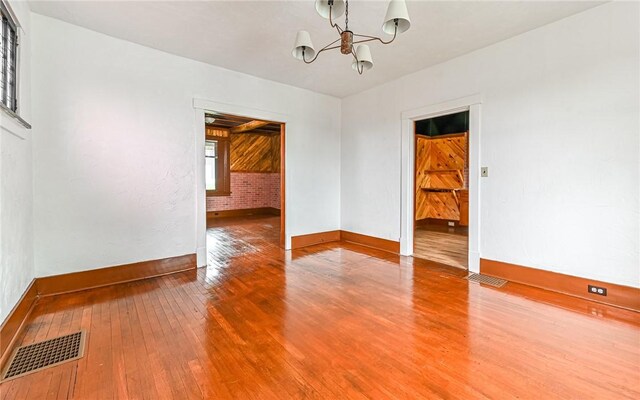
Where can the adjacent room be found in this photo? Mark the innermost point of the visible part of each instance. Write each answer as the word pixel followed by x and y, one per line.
pixel 319 199
pixel 243 165
pixel 442 189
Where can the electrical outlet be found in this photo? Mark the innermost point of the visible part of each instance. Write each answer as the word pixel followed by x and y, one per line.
pixel 597 290
pixel 484 172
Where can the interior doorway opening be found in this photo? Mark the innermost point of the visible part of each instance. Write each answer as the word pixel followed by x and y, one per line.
pixel 441 189
pixel 244 180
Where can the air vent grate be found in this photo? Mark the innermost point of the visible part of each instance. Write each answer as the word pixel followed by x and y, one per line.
pixel 37 356
pixel 489 280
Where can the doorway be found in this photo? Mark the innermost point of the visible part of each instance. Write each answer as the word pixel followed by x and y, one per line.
pixel 441 181
pixel 244 182
pixel 473 104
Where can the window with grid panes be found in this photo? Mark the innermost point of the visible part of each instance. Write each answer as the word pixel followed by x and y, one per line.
pixel 9 60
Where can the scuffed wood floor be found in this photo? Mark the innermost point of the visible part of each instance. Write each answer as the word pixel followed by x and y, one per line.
pixel 333 321
pixel 448 246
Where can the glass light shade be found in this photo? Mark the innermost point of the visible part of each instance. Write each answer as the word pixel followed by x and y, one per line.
pixel 363 54
pixel 397 10
pixel 322 6
pixel 303 43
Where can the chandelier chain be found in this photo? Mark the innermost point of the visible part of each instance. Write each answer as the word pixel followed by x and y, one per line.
pixel 346 16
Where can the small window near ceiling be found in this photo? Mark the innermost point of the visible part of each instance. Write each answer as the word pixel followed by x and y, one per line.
pixel 444 125
pixel 8 60
pixel 216 155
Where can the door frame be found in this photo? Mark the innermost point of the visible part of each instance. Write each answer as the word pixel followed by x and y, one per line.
pixel 473 105
pixel 202 106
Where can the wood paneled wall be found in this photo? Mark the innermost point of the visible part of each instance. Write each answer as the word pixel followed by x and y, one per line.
pixel 213 133
pixel 255 153
pixel 440 177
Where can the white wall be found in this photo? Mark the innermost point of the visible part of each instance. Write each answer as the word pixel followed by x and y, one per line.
pixel 114 165
pixel 114 154
pixel 16 199
pixel 560 134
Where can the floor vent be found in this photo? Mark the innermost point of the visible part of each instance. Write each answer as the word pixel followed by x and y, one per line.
pixel 38 356
pixel 489 280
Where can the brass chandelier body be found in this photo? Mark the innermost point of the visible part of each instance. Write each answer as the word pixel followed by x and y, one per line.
pixel 396 21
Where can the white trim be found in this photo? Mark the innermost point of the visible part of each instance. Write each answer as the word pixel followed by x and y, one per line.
pixel 201 193
pixel 241 111
pixel 473 105
pixel 200 106
pixel 12 14
pixel 444 108
pixel 13 127
pixel 201 257
pixel 474 187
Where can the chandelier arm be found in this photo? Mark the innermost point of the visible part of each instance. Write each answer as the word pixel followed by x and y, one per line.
pixel 364 40
pixel 332 24
pixel 372 38
pixel 327 47
pixel 360 70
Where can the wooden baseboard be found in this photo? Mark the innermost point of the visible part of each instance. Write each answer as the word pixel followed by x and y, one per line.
pixel 371 241
pixel 14 323
pixel 335 236
pixel 58 284
pixel 434 221
pixel 314 238
pixel 617 295
pixel 83 280
pixel 244 212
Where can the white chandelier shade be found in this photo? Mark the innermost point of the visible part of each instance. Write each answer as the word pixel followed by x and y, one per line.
pixel 363 60
pixel 350 43
pixel 335 7
pixel 396 13
pixel 304 47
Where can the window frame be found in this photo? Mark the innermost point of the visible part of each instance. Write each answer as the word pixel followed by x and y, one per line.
pixel 223 166
pixel 14 23
pixel 9 26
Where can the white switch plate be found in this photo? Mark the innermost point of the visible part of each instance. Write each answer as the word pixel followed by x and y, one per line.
pixel 484 172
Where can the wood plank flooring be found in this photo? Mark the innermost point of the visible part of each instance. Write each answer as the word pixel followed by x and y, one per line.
pixel 442 244
pixel 332 321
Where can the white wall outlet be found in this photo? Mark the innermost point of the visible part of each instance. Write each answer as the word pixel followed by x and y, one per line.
pixel 484 172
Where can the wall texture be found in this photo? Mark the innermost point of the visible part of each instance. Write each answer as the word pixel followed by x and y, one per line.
pixel 16 197
pixel 249 190
pixel 115 157
pixel 560 130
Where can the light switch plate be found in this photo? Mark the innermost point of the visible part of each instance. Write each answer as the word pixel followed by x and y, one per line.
pixel 484 172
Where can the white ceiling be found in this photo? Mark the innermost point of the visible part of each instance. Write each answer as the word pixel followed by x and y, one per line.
pixel 256 37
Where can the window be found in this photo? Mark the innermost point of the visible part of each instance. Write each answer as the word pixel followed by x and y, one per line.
pixel 8 60
pixel 216 155
pixel 211 157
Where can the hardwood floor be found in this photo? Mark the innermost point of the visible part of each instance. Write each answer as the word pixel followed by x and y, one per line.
pixel 233 237
pixel 332 321
pixel 442 244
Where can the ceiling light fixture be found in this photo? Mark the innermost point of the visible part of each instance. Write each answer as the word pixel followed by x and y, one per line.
pixel 396 21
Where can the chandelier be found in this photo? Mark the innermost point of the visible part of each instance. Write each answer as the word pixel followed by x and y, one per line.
pixel 396 21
